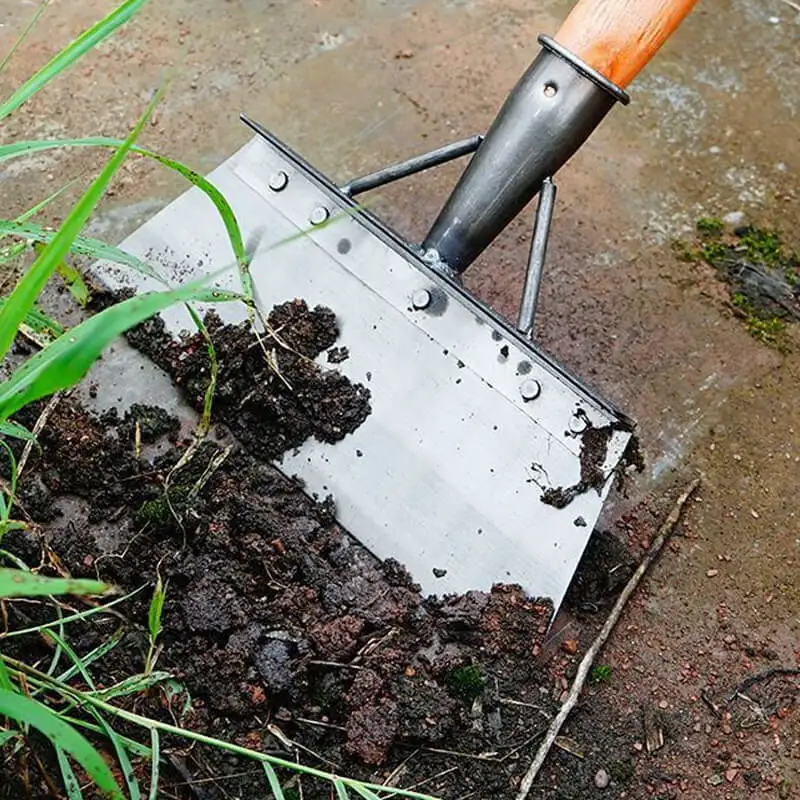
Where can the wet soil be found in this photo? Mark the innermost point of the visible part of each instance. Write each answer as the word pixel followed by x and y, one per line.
pixel 281 632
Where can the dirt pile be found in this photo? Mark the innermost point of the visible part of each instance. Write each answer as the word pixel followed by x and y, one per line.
pixel 274 615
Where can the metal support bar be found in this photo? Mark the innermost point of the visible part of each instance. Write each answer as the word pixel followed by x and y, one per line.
pixel 413 165
pixel 533 276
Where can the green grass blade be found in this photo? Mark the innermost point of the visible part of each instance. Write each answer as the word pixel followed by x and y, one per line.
pixel 133 685
pixel 34 210
pixel 16 431
pixel 17 149
pixel 74 282
pixel 11 252
pixel 5 678
pixel 39 322
pixel 62 735
pixel 73 656
pixel 341 790
pixel 24 35
pixel 208 398
pixel 122 756
pixel 366 793
pixel 6 736
pixel 71 785
pixel 274 783
pixel 30 286
pixel 90 612
pixel 102 649
pixel 81 246
pixel 71 53
pixel 155 763
pixel 130 745
pixel 16 583
pixel 67 360
pixel 216 197
pixel 156 609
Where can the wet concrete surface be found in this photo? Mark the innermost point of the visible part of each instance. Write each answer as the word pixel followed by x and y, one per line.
pixel 352 85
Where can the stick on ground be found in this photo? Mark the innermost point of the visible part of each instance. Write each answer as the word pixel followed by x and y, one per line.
pixel 667 527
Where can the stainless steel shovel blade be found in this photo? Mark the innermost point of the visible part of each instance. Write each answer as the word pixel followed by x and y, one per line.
pixel 483 461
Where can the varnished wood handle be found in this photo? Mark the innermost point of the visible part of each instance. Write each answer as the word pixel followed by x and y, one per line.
pixel 619 37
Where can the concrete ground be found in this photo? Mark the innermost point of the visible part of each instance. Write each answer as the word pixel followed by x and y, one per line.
pixel 712 129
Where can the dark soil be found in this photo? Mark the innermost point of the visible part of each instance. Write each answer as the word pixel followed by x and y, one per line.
pixel 278 626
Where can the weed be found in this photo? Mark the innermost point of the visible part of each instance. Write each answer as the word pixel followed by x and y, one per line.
pixel 763 246
pixel 154 624
pixel 601 673
pixel 466 682
pixel 164 508
pixel 710 227
pixel 766 329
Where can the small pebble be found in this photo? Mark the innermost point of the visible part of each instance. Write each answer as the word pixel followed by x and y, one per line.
pixel 601 779
pixel 712 573
pixel 735 219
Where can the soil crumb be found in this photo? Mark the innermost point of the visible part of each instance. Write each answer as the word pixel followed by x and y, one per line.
pixel 270 392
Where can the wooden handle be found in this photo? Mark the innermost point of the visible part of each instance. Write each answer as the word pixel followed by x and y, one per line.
pixel 619 37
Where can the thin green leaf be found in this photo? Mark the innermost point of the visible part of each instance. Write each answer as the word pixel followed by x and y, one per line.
pixel 89 612
pixel 73 656
pixel 17 149
pixel 39 322
pixel 30 286
pixel 122 756
pixel 74 282
pixel 62 735
pixel 24 35
pixel 341 790
pixel 16 583
pixel 274 783
pixel 154 765
pixel 16 431
pixel 82 246
pixel 133 685
pixel 208 399
pixel 156 609
pixel 71 53
pixel 67 360
pixel 106 646
pixel 10 557
pixel 71 785
pixel 6 736
pixel 12 491
pixel 34 210
pixel 11 252
pixel 130 745
pixel 366 793
pixel 5 678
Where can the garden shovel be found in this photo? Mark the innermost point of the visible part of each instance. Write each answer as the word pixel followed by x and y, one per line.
pixel 483 461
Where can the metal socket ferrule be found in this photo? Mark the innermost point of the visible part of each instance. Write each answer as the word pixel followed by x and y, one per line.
pixel 549 114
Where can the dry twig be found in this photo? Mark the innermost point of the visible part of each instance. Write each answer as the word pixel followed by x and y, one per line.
pixel 763 676
pixel 37 429
pixel 664 533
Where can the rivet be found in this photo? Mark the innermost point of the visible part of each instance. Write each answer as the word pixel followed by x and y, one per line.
pixel 278 181
pixel 319 215
pixel 530 389
pixel 421 299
